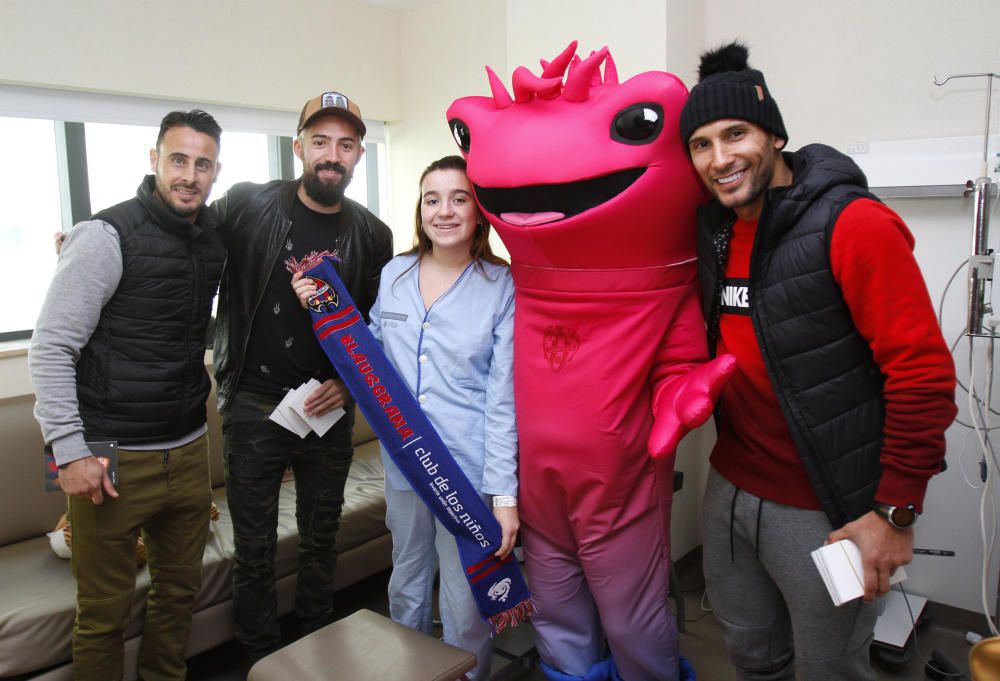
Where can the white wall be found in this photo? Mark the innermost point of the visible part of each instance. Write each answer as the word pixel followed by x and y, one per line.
pixel 633 29
pixel 685 38
pixel 863 70
pixel 443 49
pixel 251 53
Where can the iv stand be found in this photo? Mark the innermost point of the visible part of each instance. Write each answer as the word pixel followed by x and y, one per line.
pixel 982 258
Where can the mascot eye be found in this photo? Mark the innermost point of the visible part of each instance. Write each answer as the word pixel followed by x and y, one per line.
pixel 638 124
pixel 460 131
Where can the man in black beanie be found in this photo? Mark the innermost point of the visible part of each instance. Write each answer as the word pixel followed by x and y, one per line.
pixel 834 419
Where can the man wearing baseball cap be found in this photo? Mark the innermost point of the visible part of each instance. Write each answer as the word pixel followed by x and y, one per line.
pixel 833 422
pixel 265 347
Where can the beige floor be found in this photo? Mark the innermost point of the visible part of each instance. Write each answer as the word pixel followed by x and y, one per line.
pixel 702 643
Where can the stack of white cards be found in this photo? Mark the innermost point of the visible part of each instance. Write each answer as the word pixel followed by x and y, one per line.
pixel 840 567
pixel 291 414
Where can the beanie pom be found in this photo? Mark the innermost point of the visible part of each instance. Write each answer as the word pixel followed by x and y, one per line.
pixel 728 88
pixel 731 57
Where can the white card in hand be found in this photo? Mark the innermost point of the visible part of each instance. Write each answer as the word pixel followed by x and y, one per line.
pixel 320 424
pixel 839 565
pixel 286 417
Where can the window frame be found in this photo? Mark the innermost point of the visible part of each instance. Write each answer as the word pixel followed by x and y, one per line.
pixel 70 110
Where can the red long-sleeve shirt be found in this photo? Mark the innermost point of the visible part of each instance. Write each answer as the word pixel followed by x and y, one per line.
pixel 871 259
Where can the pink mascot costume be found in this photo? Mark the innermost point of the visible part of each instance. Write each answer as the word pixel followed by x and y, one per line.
pixel 591 190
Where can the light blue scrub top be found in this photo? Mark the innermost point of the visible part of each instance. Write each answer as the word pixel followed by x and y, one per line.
pixel 457 360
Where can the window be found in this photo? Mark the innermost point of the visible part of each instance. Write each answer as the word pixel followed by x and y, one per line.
pixel 31 215
pixel 67 171
pixel 244 158
pixel 118 157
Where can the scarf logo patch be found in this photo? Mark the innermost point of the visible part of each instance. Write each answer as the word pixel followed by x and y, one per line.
pixel 500 590
pixel 559 345
pixel 325 299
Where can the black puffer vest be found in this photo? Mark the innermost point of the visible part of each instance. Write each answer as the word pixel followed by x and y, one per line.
pixel 826 380
pixel 141 378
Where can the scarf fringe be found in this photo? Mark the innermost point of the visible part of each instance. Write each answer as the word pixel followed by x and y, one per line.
pixel 512 617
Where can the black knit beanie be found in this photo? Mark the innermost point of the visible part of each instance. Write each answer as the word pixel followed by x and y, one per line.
pixel 728 88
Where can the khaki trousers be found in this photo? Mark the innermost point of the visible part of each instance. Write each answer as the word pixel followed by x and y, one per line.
pixel 165 494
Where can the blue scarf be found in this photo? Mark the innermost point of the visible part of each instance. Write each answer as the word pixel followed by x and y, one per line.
pixel 497 585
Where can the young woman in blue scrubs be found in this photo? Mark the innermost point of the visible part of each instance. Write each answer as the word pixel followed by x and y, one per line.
pixel 445 317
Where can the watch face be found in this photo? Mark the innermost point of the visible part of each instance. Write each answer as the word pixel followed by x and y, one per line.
pixel 903 516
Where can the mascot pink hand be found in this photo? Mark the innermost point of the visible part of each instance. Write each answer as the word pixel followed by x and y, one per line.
pixel 686 403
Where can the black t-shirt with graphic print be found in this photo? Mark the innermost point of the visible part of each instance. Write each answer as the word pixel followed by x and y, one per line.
pixel 282 352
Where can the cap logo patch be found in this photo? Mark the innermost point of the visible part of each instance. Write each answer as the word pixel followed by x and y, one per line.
pixel 333 99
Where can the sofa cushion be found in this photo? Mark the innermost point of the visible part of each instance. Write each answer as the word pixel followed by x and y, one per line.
pixel 26 509
pixel 38 592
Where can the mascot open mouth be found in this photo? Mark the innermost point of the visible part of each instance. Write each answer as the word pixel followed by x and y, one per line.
pixel 545 203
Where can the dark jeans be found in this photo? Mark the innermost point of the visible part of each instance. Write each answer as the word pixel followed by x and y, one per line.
pixel 257 451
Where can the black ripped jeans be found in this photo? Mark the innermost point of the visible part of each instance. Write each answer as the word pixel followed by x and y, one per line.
pixel 257 451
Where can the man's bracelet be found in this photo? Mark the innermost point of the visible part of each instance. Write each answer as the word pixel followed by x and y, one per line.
pixel 504 501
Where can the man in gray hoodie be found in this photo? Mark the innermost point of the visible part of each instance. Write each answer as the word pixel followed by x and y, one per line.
pixel 117 357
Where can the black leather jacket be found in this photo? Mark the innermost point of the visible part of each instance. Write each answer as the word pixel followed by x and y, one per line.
pixel 254 220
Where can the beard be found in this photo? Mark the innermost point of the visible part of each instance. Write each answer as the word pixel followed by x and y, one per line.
pixel 322 192
pixel 180 210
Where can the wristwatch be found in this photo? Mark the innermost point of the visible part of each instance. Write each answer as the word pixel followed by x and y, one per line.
pixel 899 517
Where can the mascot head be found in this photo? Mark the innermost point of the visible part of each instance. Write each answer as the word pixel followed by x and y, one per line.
pixel 579 170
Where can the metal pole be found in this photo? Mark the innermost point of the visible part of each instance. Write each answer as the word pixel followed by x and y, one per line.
pixel 981 261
